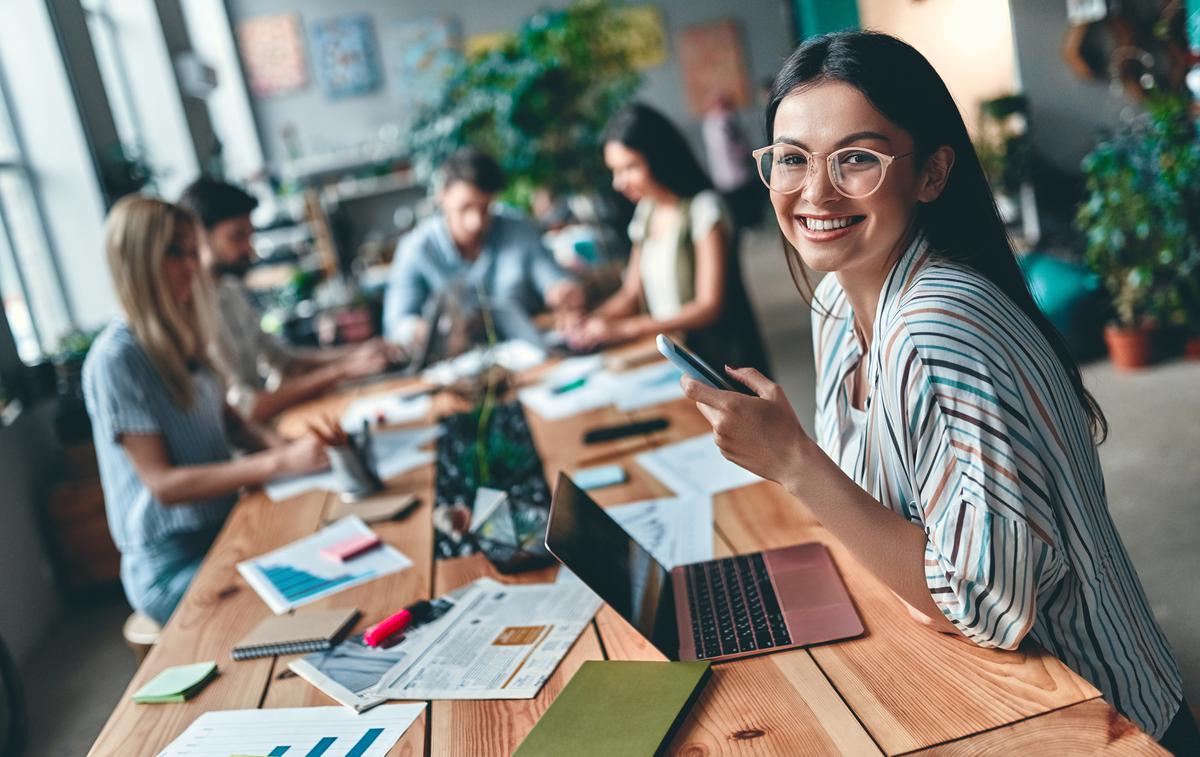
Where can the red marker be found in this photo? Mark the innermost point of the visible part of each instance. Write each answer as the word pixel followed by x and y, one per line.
pixel 394 624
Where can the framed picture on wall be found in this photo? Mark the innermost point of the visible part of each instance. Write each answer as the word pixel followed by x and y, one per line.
pixel 418 56
pixel 713 65
pixel 345 55
pixel 272 50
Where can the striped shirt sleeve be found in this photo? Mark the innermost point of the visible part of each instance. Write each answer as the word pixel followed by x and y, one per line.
pixel 120 395
pixel 989 550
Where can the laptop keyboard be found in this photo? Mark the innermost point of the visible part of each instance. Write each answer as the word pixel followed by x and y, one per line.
pixel 734 607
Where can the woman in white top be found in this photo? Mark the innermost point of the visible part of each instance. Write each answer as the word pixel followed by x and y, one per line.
pixel 683 274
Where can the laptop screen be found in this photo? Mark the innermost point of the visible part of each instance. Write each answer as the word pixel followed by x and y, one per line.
pixel 595 547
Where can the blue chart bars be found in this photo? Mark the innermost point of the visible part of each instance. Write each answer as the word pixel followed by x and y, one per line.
pixel 321 747
pixel 295 584
pixel 368 738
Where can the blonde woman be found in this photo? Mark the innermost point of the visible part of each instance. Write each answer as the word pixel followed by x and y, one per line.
pixel 159 422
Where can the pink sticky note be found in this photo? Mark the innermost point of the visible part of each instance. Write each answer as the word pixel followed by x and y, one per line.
pixel 350 548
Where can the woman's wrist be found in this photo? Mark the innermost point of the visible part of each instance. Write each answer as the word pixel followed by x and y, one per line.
pixel 804 461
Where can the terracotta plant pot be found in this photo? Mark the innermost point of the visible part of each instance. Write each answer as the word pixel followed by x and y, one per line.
pixel 1191 347
pixel 1129 348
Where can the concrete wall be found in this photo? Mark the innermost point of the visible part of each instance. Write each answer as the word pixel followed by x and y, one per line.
pixel 1067 113
pixel 325 124
pixel 969 42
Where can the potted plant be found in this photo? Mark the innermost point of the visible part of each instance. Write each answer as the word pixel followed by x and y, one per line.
pixel 71 420
pixel 538 103
pixel 1139 219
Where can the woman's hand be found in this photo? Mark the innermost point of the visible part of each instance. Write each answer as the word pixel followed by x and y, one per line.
pixel 597 331
pixel 368 359
pixel 761 434
pixel 303 455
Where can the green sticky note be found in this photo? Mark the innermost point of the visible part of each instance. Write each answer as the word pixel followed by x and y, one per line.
pixel 177 684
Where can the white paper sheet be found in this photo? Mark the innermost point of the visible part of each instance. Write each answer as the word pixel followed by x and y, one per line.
pixel 297 574
pixel 386 409
pixel 675 530
pixel 514 355
pixel 573 368
pixel 643 387
pixel 695 466
pixel 396 452
pixel 628 390
pixel 596 392
pixel 295 730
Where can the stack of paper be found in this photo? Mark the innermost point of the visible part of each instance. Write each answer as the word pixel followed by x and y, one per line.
pixel 497 642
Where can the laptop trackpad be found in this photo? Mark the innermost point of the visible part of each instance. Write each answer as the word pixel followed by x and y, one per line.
pixel 807 588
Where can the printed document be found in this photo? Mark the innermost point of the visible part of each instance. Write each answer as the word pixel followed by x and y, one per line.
pixel 675 530
pixel 499 641
pixel 695 466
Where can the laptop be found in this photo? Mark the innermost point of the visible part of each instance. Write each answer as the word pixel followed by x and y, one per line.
pixel 715 610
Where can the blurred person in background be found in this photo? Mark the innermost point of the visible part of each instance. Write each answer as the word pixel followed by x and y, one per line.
pixel 262 373
pixel 684 273
pixel 159 420
pixel 473 242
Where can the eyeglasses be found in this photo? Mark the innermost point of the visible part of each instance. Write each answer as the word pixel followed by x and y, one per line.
pixel 855 172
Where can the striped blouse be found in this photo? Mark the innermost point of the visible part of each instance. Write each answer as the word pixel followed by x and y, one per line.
pixel 125 394
pixel 973 432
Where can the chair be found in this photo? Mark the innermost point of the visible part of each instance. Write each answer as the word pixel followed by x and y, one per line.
pixel 141 633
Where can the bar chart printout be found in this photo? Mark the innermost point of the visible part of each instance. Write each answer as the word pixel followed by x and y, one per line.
pixel 295 732
pixel 297 573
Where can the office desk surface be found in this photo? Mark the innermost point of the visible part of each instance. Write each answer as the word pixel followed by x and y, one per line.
pixel 900 688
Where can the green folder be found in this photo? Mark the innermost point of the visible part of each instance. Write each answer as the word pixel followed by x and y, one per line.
pixel 616 707
pixel 177 684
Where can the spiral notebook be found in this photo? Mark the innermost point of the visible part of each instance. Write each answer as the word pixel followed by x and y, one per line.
pixel 303 631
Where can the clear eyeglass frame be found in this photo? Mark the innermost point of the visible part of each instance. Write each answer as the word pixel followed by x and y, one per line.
pixel 831 167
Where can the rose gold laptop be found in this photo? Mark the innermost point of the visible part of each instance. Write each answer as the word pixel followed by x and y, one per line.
pixel 714 610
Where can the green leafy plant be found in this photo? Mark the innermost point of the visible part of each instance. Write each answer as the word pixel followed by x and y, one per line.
pixel 1141 217
pixel 74 346
pixel 1003 145
pixel 538 103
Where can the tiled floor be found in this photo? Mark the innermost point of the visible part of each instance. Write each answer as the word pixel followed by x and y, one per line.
pixel 1152 475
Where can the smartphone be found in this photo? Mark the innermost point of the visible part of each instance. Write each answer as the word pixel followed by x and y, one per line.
pixel 691 364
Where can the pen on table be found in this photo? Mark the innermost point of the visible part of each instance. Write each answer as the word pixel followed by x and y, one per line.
pixel 564 388
pixel 394 624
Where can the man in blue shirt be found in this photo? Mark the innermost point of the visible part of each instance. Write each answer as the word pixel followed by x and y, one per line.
pixel 484 251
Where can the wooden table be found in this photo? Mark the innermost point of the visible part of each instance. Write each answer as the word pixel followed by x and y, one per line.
pixel 898 689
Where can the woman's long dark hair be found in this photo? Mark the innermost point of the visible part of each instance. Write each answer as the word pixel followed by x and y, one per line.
pixel 672 163
pixel 962 224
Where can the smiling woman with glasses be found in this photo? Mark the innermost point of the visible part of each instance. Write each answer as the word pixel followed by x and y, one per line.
pixel 954 449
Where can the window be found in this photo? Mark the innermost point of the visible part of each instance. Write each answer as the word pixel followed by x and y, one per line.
pixel 32 294
pixel 114 71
